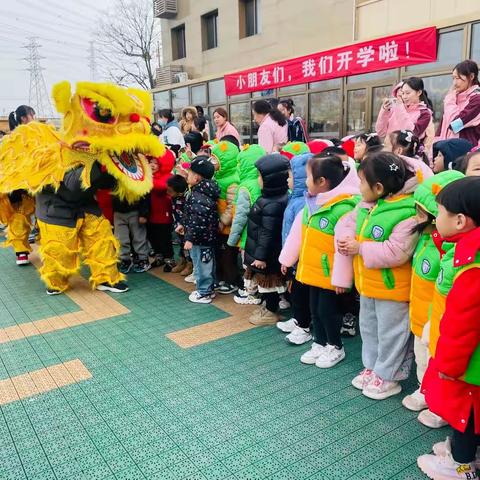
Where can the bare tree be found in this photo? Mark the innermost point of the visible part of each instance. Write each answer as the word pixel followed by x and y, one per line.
pixel 127 41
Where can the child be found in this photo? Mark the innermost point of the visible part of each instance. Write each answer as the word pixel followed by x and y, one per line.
pixel 176 189
pixel 332 187
pixel 425 268
pixel 160 221
pixel 227 178
pixel 188 116
pixel 379 234
pixel 200 226
pixel 298 327
pixel 452 380
pixel 404 142
pixel 366 143
pixel 264 237
pixel 470 164
pixel 446 153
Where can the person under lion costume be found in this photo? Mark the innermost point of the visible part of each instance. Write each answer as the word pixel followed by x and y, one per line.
pixel 103 143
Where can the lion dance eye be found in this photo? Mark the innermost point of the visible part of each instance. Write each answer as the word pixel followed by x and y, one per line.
pixel 96 112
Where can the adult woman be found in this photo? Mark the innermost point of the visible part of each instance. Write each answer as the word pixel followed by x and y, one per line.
pixel 188 116
pixel 297 131
pixel 224 127
pixel 21 116
pixel 171 135
pixel 273 127
pixel 409 108
pixel 461 113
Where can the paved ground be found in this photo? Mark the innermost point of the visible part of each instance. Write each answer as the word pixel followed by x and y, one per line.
pixel 92 388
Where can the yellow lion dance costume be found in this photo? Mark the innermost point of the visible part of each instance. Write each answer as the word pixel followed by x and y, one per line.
pixel 103 143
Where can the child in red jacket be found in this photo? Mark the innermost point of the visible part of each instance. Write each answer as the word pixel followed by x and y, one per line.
pixel 159 228
pixel 452 382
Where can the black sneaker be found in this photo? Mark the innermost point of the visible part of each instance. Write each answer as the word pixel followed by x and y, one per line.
pixel 142 266
pixel 52 291
pixel 125 266
pixel 226 288
pixel 169 265
pixel 119 287
pixel 158 261
pixel 349 325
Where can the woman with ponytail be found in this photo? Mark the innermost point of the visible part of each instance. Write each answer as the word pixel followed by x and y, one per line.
pixel 273 126
pixel 22 115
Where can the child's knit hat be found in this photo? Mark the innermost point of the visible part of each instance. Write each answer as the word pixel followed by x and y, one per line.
pixel 426 193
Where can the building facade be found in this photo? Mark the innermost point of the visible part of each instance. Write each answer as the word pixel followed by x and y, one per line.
pixel 212 38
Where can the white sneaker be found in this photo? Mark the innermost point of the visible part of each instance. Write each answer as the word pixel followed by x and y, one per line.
pixel 287 326
pixel 190 278
pixel 445 468
pixel 415 401
pixel 330 357
pixel 310 357
pixel 380 389
pixel 195 297
pixel 445 448
pixel 283 304
pixel 431 420
pixel 363 379
pixel 298 336
pixel 247 299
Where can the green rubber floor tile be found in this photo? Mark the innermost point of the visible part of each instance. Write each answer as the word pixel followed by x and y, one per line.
pixel 132 473
pixel 14 474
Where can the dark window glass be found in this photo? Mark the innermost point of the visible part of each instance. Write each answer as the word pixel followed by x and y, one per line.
pixel 179 49
pixel 209 30
pixel 324 117
pixel 249 17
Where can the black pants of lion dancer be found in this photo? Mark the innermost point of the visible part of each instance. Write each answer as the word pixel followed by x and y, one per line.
pixel 227 269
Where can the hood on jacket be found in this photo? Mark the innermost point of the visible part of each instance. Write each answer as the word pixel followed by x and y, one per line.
pixel 165 164
pixel 451 149
pixel 291 149
pixel 190 109
pixel 246 162
pixel 173 123
pixel 421 172
pixel 318 145
pixel 426 193
pixel 396 88
pixel 208 188
pixel 299 172
pixel 350 185
pixel 226 153
pixel 274 171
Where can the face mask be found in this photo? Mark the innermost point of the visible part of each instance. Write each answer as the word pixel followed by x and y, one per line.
pixel 162 123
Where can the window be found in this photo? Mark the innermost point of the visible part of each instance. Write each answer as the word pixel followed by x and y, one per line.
pixel 475 51
pixel 161 99
pixel 249 17
pixel 324 116
pixel 179 98
pixel 264 93
pixel 449 53
pixel 291 89
pixel 240 117
pixel 368 77
pixel 198 94
pixel 209 30
pixel 216 91
pixel 300 104
pixel 324 84
pixel 356 107
pixel 378 96
pixel 179 48
pixel 437 87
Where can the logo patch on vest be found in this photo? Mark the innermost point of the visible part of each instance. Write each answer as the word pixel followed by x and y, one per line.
pixel 324 223
pixel 426 267
pixel 377 232
pixel 440 277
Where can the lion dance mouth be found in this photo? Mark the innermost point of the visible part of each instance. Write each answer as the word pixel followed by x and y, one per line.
pixel 130 164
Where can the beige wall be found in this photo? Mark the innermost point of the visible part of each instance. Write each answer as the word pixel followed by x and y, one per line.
pixel 376 18
pixel 289 28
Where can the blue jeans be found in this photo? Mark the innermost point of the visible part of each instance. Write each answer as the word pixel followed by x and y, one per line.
pixel 203 259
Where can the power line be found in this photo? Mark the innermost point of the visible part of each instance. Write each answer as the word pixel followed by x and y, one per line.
pixel 38 95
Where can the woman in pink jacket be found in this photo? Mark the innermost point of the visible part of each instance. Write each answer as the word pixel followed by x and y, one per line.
pixel 272 125
pixel 461 112
pixel 224 127
pixel 408 109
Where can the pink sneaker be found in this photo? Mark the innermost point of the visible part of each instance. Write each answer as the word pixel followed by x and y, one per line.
pixel 363 379
pixel 380 389
pixel 22 259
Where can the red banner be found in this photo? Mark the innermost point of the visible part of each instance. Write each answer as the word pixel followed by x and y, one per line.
pixel 410 48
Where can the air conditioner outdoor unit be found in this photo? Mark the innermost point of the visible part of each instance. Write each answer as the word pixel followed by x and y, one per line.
pixel 180 77
pixel 165 8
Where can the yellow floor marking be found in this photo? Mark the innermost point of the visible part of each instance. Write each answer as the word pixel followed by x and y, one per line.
pixel 208 332
pixel 94 306
pixel 42 381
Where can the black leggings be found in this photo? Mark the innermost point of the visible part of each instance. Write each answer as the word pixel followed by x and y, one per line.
pixel 300 296
pixel 464 445
pixel 272 300
pixel 160 238
pixel 226 262
pixel 325 317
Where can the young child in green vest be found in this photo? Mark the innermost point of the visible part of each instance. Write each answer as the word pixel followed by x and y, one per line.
pixel 333 189
pixel 425 268
pixel 452 381
pixel 247 194
pixel 226 257
pixel 379 235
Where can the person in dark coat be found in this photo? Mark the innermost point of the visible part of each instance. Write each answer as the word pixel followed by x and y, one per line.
pixel 200 226
pixel 264 237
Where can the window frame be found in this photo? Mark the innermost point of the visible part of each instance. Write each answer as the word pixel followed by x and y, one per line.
pixel 213 14
pixel 174 32
pixel 243 21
